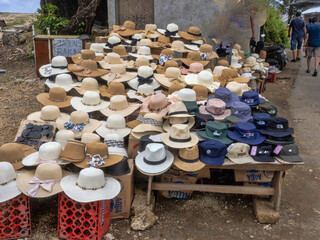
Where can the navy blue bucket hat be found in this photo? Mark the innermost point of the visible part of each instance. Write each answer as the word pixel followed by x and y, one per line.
pixel 212 152
pixel 225 95
pixel 241 111
pixel 277 127
pixel 246 132
pixel 260 120
pixel 251 98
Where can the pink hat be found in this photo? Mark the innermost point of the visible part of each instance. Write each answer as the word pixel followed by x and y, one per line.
pixel 216 108
pixel 195 67
pixel 157 103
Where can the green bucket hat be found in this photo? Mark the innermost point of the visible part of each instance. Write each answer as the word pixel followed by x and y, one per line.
pixel 217 131
pixel 192 107
pixel 267 107
pixel 231 121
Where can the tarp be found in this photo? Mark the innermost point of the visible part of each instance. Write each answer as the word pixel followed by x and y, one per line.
pixel 312 10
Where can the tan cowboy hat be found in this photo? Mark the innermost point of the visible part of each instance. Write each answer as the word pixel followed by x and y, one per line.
pixel 207 53
pixel 88 84
pixel 150 31
pixel 193 33
pixel 188 159
pixel 111 59
pixel 78 122
pixel 141 61
pixel 86 54
pixel 170 63
pixel 114 88
pixel 194 57
pixel 57 96
pixel 88 68
pixel 126 30
pixel 172 74
pixel 179 136
pixel 120 105
pixel 118 73
pixel 162 42
pixel 47 113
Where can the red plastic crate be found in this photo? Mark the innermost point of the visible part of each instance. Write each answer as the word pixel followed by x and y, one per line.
pixel 82 220
pixel 15 221
pixel 272 77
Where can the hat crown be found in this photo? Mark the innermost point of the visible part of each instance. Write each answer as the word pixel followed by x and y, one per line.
pixel 201 91
pixel 154 116
pixel 190 153
pixel 240 109
pixel 116 121
pixel 205 48
pixel 137 36
pixel 114 137
pixel 48 171
pixel 163 39
pixel 90 138
pixel 239 150
pixel 77 117
pixel 91 98
pixel 173 72
pixel 145 89
pixel 264 150
pixel 91 178
pixel 180 131
pixel 158 101
pixel 7 172
pixel 49 113
pixel 59 61
pixel 57 94
pixel 178 120
pixel 261 116
pixel 224 94
pixel 50 151
pixel 289 150
pixel 129 24
pixel 205 77
pixel 194 56
pixel 88 54
pixel 150 27
pixel 143 50
pixel 196 67
pixel 175 86
pixel 246 130
pixel 223 63
pixel 96 47
pixel 229 73
pixel 74 151
pixel 187 94
pixel 213 148
pixel 64 135
pixel 194 30
pixel 216 106
pixel 167 52
pixel 114 40
pixel 171 63
pixel 121 50
pixel 118 102
pixel 268 107
pixel 63 79
pixel 142 61
pixel 11 152
pixel 278 123
pixel 112 58
pixel 172 27
pixel 155 152
pixel 95 148
pixel 89 64
pixel 116 88
pixel 178 45
pixel 145 42
pixel 118 68
pixel 177 107
pixel 145 71
pixel 89 84
pixel 235 88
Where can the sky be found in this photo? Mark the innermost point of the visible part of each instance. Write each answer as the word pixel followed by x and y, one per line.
pixel 19 6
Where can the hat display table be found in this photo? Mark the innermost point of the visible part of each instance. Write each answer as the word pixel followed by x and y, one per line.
pixel 275 190
pixel 15 221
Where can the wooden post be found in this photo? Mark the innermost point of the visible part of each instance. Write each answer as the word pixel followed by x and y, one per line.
pixel 149 190
pixel 277 185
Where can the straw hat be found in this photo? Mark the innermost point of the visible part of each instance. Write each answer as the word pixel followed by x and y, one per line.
pixel 120 105
pixel 217 71
pixel 141 61
pixel 162 42
pixel 170 63
pixel 186 95
pixel 90 138
pixel 88 84
pixel 178 109
pixel 193 33
pixel 216 108
pixel 179 137
pixel 88 68
pixel 98 48
pixel 150 31
pixel 90 102
pixel 170 31
pixel 194 46
pixel 201 92
pixel 172 74
pixel 86 54
pixel 97 155
pixel 127 29
pixel 157 103
pixel 238 88
pixel 143 92
pixel 62 137
pixel 194 57
pixel 193 68
pixel 178 46
pixel 8 185
pixel 90 186
pixel 118 73
pixel 207 53
pixel 114 124
pixel 135 39
pixel 143 52
pixel 64 81
pixel 47 113
pixel 111 59
pixel 57 96
pixel 188 159
pixel 190 121
pixel 250 62
pixel 223 62
pixel 165 55
pixel 43 182
pixel 155 160
pixel 121 50
pixel 150 122
pixel 145 42
pixel 58 65
pixel 113 41
pixel 74 151
pixel 145 76
pixel 204 78
pixel 174 87
pixel 114 88
pixel 115 144
pixel 78 122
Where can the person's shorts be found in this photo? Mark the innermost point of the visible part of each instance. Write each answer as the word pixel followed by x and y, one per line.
pixel 313 51
pixel 296 42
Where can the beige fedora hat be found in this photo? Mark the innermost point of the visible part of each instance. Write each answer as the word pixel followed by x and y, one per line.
pixel 120 105
pixel 57 96
pixel 178 109
pixel 88 84
pixel 88 68
pixel 118 73
pixel 89 138
pixel 114 124
pixel 78 122
pixel 47 113
pixel 179 136
pixel 141 61
pixel 90 102
pixel 145 76
pixel 64 81
pixel 86 54
pixel 188 159
pixel 172 74
pixel 190 121
pixel 110 59
pixel 114 88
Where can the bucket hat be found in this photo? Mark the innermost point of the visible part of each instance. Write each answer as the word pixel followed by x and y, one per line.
pixel 142 93
pixel 88 68
pixel 90 102
pixel 113 41
pixel 111 59
pixel 170 63
pixel 280 140
pixel 251 98
pixel 188 159
pixel 74 151
pixel 192 107
pixel 90 185
pixel 150 122
pixel 216 108
pixel 98 156
pixel 245 132
pixel 179 136
pixel 115 124
pixel 290 153
pixel 277 127
pixel 263 153
pixel 58 65
pixel 8 185
pixel 141 61
pixel 118 73
pixel 115 143
pixel 171 30
pixel 178 46
pixel 120 105
pixel 225 95
pixel 207 53
pixel 90 138
pixel 241 110
pixel 217 131
pixel 113 89
pixel 193 33
pixel 62 137
pixel 86 54
pixel 121 50
pixel 157 103
pixel 239 153
pixel 231 121
pixel 260 120
pixel 64 81
pixel 145 76
pixel 154 160
pixel 212 152
pixel 143 52
pixel 150 31
pixel 78 122
pixel 47 113
pixel 204 78
pixel 48 152
pixel 178 109
pixel 178 120
pixel 88 84
pixel 201 121
pixel 57 96
pixel 237 88
pixel 195 68
pixel 194 57
pixel 162 42
pixel 268 107
pixel 127 29
pixel 43 182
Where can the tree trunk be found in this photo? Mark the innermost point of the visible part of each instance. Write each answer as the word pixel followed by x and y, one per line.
pixel 85 14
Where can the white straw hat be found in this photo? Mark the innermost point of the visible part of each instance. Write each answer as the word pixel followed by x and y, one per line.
pixel 238 88
pixel 112 42
pixel 114 124
pixel 143 51
pixel 98 48
pixel 111 59
pixel 142 93
pixel 47 113
pixel 64 81
pixel 8 185
pixel 90 138
pixel 204 78
pixel 120 105
pixel 145 76
pixel 171 30
pixel 115 144
pixel 62 137
pixel 90 102
pixel 58 65
pixel 88 84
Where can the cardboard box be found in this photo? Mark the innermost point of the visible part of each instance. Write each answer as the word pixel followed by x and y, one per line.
pixel 253 175
pixel 257 184
pixel 133 146
pixel 202 173
pixel 120 206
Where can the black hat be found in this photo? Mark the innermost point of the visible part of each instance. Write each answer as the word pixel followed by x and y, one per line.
pixel 201 120
pixel 280 140
pixel 121 168
pixel 277 127
pixel 263 153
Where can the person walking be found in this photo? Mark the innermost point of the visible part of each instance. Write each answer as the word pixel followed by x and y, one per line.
pixel 312 43
pixel 297 30
pixel 311 20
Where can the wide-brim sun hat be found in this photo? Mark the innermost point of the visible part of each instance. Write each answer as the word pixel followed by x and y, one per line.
pixel 88 68
pixel 36 116
pixel 103 130
pixel 193 80
pixel 8 185
pixel 167 125
pixel 119 77
pixel 166 81
pixel 52 84
pixel 31 160
pixel 119 105
pixel 47 98
pixel 245 132
pixel 57 66
pixel 78 103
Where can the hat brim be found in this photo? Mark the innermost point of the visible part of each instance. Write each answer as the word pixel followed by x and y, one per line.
pixel 134 84
pixel 275 142
pixel 165 82
pixel 167 127
pixel 124 112
pixel 271 133
pixel 47 70
pixel 36 116
pixel 78 60
pixel 52 84
pixel 242 160
pixel 153 170
pixel 8 191
pixel 106 65
pixel 188 167
pixel 122 45
pixel 160 45
pixel 263 158
pixel 76 103
pixel 211 161
pixel 95 73
pixel 162 31
pixel 131 65
pixel 43 98
pixel 188 61
pixel 136 55
pixel 166 139
pixel 291 158
pixel 82 91
pixel 109 191
pixel 124 78
pixel 133 95
pixel 31 159
pixel 104 92
pixel 128 32
pixel 141 134
pixel 241 79
pixel 144 108
pixel 234 98
pixel 111 160
pixel 103 130
pixel 27 150
pixel 192 47
pixel 192 80
pixel 224 140
pixel 227 112
pixel 141 128
pixel 258 140
pixel 188 36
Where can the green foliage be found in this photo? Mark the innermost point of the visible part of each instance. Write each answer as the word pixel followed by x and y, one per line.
pixel 30 55
pixel 275 28
pixel 48 16
pixel 81 28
